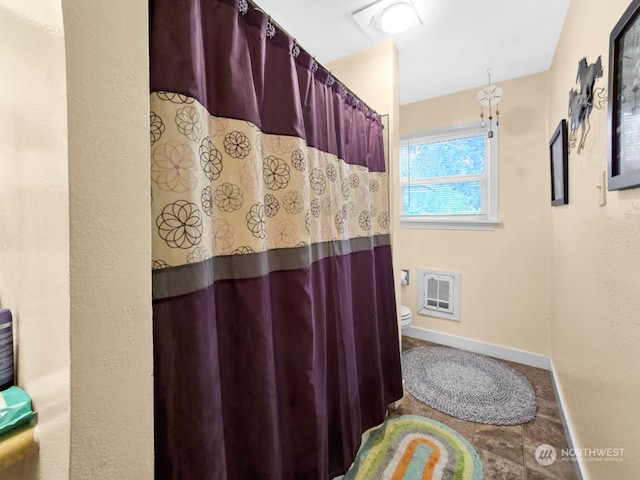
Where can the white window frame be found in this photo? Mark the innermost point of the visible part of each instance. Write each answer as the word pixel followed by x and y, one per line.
pixel 486 221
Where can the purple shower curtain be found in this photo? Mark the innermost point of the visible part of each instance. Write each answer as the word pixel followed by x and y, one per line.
pixel 275 330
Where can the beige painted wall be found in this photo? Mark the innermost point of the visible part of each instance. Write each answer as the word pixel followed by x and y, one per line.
pixel 505 272
pixel 595 328
pixel 74 217
pixel 357 71
pixel 34 221
pixel 109 189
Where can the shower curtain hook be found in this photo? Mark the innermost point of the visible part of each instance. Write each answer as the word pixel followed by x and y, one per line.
pixel 271 29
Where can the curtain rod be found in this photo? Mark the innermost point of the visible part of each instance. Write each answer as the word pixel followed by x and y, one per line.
pixel 275 24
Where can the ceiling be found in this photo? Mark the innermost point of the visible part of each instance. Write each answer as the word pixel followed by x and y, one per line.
pixel 458 41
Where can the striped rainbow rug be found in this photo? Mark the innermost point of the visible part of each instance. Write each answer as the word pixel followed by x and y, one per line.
pixel 409 447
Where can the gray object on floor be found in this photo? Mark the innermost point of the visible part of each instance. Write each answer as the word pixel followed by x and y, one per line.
pixel 469 386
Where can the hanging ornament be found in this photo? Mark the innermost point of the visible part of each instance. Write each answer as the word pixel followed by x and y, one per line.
pixel 489 97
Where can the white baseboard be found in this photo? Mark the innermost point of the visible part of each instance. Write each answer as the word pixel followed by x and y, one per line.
pixel 566 422
pixel 490 349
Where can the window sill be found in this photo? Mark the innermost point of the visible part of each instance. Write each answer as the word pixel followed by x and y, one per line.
pixel 449 224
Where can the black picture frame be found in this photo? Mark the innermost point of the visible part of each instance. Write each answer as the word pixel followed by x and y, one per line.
pixel 624 101
pixel 559 156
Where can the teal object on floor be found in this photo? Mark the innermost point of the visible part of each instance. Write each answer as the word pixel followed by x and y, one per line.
pixel 15 409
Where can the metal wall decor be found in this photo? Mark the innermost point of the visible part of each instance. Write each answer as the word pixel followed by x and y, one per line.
pixel 624 101
pixel 489 97
pixel 583 99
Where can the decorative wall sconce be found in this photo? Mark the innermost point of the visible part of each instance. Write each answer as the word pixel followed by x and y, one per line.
pixel 489 97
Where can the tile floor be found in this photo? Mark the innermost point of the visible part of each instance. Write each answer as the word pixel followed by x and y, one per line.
pixel 507 452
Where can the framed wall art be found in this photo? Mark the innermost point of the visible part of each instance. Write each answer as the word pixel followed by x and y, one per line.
pixel 624 101
pixel 559 153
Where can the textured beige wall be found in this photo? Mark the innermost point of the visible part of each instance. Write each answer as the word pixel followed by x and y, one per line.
pixel 109 187
pixel 595 328
pixel 34 221
pixel 505 272
pixel 372 74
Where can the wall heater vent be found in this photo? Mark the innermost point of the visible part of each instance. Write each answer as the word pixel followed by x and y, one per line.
pixel 439 294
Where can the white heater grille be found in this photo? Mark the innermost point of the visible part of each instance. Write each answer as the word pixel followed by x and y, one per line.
pixel 439 294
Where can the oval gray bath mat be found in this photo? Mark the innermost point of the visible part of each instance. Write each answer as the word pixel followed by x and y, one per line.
pixel 469 386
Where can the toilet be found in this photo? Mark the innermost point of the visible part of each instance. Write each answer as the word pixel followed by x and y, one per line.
pixel 405 317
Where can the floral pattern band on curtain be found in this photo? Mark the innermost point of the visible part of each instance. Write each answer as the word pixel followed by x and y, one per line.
pixel 275 330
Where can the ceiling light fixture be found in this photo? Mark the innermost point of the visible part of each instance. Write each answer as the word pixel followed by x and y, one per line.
pixel 399 17
pixel 386 18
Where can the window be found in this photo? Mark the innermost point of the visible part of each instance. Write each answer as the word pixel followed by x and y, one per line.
pixel 449 178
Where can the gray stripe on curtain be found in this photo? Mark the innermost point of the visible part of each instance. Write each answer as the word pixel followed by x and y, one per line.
pixel 174 281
